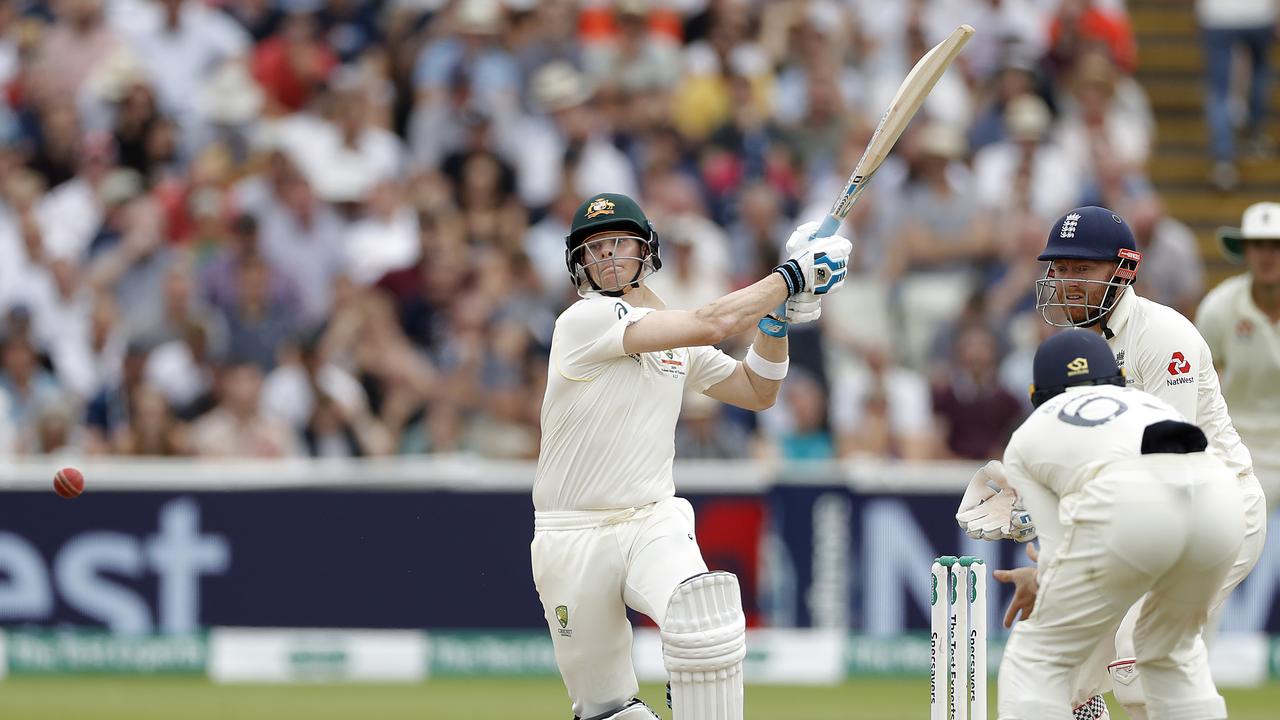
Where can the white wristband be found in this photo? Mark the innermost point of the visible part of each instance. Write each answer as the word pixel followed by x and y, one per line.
pixel 767 369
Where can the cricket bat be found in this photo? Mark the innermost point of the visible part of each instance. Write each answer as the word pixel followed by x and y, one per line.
pixel 906 102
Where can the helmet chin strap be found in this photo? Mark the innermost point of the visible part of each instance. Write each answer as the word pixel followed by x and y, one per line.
pixel 1100 321
pixel 1106 331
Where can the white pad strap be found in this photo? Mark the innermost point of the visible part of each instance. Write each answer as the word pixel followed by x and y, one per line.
pixel 1126 685
pixel 704 641
pixel 767 369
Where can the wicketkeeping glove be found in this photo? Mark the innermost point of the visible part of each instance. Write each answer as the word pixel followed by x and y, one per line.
pixel 991 509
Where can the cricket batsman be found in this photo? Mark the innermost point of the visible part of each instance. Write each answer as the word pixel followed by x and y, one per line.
pixel 609 532
pixel 1128 502
pixel 1092 262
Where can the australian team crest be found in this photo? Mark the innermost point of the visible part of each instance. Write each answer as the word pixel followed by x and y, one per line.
pixel 598 207
pixel 670 363
pixel 562 615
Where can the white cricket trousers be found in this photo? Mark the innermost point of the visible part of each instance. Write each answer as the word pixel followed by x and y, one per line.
pixel 1167 525
pixel 589 567
pixel 1093 677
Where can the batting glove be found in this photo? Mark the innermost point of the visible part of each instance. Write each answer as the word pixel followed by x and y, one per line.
pixel 803 308
pixel 801 238
pixel 818 267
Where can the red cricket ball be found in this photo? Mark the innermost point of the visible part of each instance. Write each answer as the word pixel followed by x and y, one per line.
pixel 68 482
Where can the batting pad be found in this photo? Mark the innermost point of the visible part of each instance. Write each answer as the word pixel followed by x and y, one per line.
pixel 703 643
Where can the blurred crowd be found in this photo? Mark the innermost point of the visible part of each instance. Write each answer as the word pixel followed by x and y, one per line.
pixel 336 227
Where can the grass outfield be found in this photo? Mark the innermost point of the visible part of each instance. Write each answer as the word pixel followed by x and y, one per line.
pixel 452 699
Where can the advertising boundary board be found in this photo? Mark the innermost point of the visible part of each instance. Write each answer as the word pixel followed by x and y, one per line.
pixel 300 655
pixel 134 562
pixel 173 547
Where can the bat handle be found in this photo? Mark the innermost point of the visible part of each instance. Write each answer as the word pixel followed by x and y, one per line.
pixel 830 224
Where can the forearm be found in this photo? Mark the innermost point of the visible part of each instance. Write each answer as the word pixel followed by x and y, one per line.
pixel 773 349
pixel 739 310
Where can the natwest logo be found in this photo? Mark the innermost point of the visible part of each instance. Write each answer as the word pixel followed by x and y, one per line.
pixel 1179 365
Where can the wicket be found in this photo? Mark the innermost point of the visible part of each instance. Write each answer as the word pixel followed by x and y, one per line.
pixel 958 628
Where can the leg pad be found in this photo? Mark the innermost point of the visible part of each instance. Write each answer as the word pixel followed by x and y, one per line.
pixel 704 641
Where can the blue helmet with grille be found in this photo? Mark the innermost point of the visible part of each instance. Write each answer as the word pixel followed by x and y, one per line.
pixel 1086 233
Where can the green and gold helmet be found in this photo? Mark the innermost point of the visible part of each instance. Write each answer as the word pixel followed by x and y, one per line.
pixel 595 218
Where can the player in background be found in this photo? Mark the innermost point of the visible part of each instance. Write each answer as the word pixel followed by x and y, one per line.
pixel 1240 320
pixel 1092 261
pixel 609 532
pixel 1128 503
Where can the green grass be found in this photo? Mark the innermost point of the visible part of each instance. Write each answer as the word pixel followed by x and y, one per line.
pixel 83 698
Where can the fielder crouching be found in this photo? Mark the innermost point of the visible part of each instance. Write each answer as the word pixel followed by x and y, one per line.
pixel 609 532
pixel 1127 502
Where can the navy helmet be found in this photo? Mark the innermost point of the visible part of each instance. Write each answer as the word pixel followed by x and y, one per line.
pixel 1086 233
pixel 1071 358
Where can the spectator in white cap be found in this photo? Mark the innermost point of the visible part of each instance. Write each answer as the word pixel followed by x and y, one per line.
pixel 568 144
pixel 1240 319
pixel 1027 170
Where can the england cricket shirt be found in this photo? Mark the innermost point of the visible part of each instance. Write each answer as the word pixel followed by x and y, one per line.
pixel 1162 353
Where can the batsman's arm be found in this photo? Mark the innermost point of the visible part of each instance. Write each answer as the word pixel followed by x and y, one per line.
pixel 712 323
pixel 755 383
pixel 820 266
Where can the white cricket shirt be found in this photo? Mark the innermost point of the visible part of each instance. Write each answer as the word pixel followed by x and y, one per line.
pixel 1073 437
pixel 608 418
pixel 1162 353
pixel 1246 343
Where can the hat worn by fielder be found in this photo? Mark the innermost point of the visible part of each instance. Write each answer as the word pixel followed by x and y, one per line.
pixel 1261 221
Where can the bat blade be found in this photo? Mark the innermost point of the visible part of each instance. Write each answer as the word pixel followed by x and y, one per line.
pixel 906 102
